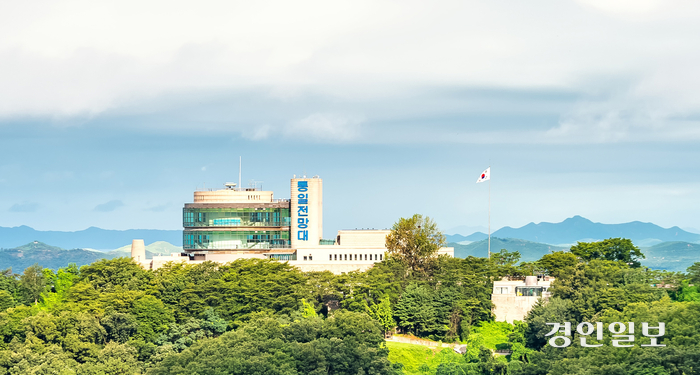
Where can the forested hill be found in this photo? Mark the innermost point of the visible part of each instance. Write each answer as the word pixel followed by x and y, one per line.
pixel 54 257
pixel 671 256
pixel 47 256
pixel 92 238
pixel 263 317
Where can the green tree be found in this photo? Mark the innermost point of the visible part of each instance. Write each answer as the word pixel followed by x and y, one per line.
pixel 60 283
pixel 416 310
pixel 506 258
pixel 153 317
pixel 6 300
pixel 114 359
pixel 10 283
pixel 33 282
pixel 558 263
pixel 414 242
pixel 599 285
pixel 694 273
pixel 108 274
pixel 120 327
pixel 615 249
pixel 345 343
pixel 382 313
pixel 308 309
pixel 555 310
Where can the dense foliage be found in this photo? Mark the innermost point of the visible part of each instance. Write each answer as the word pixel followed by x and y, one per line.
pixel 266 317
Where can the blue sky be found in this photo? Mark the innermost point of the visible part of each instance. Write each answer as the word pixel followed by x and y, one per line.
pixel 111 114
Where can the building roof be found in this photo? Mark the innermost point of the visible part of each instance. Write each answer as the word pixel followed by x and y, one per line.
pixel 279 204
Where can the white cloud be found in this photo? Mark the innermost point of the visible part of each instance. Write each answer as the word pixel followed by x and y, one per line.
pixel 84 58
pixel 624 6
pixel 257 133
pixel 327 127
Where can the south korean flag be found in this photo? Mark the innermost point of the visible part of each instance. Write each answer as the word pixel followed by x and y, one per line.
pixel 485 175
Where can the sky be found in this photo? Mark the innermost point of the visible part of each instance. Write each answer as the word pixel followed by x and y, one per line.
pixel 113 113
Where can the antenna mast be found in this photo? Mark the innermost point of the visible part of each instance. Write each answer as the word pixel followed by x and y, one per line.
pixel 240 163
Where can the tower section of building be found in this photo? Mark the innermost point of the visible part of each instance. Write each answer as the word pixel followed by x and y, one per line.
pixel 235 220
pixel 306 212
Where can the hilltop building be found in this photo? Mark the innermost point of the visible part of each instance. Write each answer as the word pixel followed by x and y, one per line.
pixel 514 297
pixel 233 223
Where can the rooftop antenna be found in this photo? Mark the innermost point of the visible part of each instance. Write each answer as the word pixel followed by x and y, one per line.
pixel 240 164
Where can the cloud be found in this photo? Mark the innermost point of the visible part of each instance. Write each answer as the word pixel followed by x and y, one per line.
pixel 257 133
pixel 663 106
pixel 24 207
pixel 109 206
pixel 326 127
pixel 50 66
pixel 359 71
pixel 623 6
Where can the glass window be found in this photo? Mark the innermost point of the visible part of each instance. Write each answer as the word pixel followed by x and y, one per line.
pixel 528 291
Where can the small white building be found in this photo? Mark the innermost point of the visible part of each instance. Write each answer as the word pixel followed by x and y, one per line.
pixel 514 297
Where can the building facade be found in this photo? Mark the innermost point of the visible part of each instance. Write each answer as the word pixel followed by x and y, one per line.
pixel 234 223
pixel 514 297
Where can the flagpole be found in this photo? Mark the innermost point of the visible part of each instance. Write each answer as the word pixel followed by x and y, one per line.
pixel 489 214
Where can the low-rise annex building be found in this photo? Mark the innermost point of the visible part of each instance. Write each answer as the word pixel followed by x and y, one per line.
pixel 514 297
pixel 235 223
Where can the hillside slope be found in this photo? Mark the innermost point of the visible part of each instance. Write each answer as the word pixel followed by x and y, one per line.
pixel 529 251
pixel 47 256
pixel 93 238
pixel 671 256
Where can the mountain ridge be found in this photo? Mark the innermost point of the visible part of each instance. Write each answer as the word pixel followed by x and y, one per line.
pixel 578 228
pixel 91 237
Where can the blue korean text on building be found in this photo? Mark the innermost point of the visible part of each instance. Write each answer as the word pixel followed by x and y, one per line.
pixel 302 223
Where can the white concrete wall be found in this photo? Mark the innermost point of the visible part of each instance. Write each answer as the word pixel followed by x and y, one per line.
pixel 449 251
pixel 138 251
pixel 363 238
pixel 334 254
pixel 508 308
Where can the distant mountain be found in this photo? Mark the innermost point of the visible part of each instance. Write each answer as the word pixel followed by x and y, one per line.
pixel 478 236
pixel 671 256
pixel 93 238
pixel 54 257
pixel 578 228
pixel 529 251
pixel 463 229
pixel 47 256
